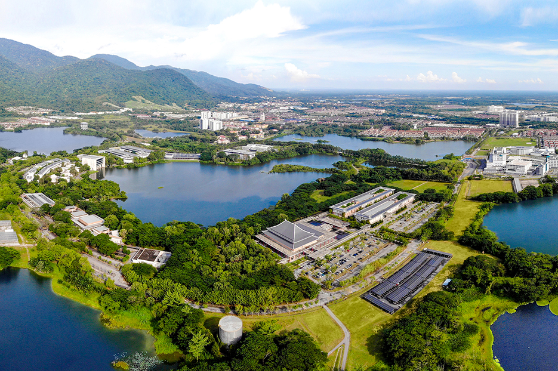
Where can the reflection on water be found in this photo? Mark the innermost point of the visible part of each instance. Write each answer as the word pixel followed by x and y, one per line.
pixel 40 330
pixel 206 194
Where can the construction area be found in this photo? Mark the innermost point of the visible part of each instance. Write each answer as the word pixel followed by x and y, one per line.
pixel 394 292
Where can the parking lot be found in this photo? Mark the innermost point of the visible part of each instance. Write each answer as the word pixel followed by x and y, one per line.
pixel 411 220
pixel 343 260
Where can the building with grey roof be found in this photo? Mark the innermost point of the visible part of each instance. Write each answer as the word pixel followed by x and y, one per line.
pixel 156 258
pixel 34 200
pixel 8 237
pixel 290 240
pixel 353 205
pixel 382 209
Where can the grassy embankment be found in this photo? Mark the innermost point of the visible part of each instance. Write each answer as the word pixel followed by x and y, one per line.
pixel 139 319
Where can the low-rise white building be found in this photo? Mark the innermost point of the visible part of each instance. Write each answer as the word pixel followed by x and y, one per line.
pixel 156 258
pixel 95 163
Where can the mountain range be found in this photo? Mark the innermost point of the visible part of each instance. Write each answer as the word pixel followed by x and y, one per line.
pixel 31 76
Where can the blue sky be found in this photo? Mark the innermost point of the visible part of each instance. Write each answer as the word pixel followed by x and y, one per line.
pixel 316 44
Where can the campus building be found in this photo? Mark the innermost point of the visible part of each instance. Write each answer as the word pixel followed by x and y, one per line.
pixel 156 258
pixel 380 210
pixel 36 200
pixel 291 240
pixel 95 163
pixel 353 205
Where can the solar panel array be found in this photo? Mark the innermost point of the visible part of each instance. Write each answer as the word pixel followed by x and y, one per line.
pixel 400 287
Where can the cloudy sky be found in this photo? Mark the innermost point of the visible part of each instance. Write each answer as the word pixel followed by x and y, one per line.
pixel 310 44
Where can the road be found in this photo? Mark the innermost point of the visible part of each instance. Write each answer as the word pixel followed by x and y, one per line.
pixel 469 170
pixel 346 342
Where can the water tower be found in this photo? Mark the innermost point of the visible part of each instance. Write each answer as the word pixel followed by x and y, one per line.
pixel 230 330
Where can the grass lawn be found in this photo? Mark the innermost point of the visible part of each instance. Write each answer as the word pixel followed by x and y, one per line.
pixel 482 152
pixel 318 195
pixel 364 322
pixel 418 185
pixel 465 211
pixel 316 322
pixel 487 186
pixel 491 142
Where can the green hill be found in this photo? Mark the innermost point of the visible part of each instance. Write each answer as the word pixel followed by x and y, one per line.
pixel 86 84
pixel 31 58
pixel 217 86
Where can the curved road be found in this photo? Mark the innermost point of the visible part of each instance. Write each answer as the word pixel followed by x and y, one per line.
pixel 346 341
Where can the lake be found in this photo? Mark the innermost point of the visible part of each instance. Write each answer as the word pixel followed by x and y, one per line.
pixel 152 134
pixel 527 339
pixel 43 331
pixel 206 194
pixel 426 151
pixel 528 224
pixel 46 140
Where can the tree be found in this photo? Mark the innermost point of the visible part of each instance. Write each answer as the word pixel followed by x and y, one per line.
pixel 197 344
pixel 112 221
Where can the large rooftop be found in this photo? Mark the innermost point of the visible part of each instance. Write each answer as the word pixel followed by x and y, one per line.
pixel 291 235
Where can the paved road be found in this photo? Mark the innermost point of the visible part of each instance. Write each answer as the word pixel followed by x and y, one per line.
pixel 346 342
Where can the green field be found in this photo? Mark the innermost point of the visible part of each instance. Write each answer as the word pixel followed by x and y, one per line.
pixel 487 186
pixel 491 142
pixel 318 195
pixel 364 322
pixel 316 322
pixel 482 152
pixel 464 212
pixel 418 185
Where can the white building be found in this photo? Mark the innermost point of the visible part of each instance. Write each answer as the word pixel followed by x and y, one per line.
pixel 95 163
pixel 495 109
pixel 84 126
pixel 156 258
pixel 215 125
pixel 497 157
pixel 509 119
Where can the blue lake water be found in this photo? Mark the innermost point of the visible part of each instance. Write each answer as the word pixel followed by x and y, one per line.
pixel 46 140
pixel 152 134
pixel 206 194
pixel 528 224
pixel 527 339
pixel 40 330
pixel 428 151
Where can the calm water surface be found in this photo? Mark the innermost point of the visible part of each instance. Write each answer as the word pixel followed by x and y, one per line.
pixel 427 151
pixel 528 224
pixel 527 340
pixel 46 140
pixel 152 134
pixel 206 194
pixel 40 330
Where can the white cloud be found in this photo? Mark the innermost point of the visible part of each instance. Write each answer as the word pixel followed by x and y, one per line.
pixel 532 81
pixel 488 81
pixel 532 16
pixel 457 79
pixel 298 75
pixel 429 77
